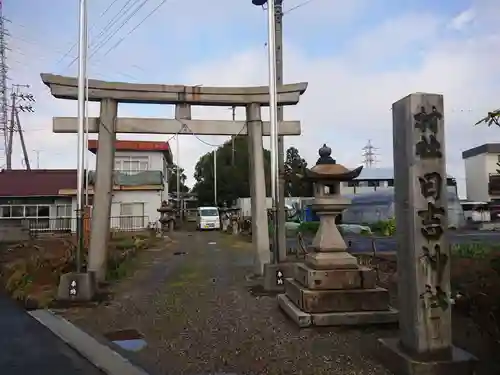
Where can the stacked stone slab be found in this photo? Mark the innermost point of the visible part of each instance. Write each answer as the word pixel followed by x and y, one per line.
pixel 330 287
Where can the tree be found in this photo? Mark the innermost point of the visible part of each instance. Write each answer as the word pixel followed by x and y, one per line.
pixel 232 180
pixel 172 180
pixel 294 164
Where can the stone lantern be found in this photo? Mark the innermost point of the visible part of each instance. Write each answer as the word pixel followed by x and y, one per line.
pixel 225 218
pixel 328 247
pixel 330 287
pixel 167 217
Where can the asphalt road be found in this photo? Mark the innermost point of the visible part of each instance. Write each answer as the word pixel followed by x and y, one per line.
pixel 27 347
pixel 364 244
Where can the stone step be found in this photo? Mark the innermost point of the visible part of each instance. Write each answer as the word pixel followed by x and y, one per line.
pixel 361 278
pixel 346 300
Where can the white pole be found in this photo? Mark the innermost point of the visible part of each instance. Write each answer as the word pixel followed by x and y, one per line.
pixel 86 141
pixel 273 117
pixel 178 176
pixel 82 57
pixel 215 177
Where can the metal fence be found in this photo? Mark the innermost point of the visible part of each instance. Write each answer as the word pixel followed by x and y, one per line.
pixel 68 224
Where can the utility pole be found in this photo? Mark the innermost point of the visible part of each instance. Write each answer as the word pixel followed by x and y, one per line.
pixel 21 101
pixel 178 176
pixel 215 177
pixel 281 216
pixel 233 138
pixel 37 152
pixel 23 144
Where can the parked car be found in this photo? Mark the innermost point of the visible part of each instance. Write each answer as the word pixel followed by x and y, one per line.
pixel 207 218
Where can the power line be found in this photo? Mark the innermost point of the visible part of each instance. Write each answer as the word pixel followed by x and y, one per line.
pixel 91 28
pixel 135 28
pixel 130 16
pixel 300 5
pixel 107 38
pixel 57 52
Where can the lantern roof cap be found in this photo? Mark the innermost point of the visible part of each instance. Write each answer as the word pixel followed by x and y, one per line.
pixel 326 168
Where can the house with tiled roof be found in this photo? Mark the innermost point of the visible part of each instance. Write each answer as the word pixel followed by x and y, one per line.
pixel 47 198
pixel 36 195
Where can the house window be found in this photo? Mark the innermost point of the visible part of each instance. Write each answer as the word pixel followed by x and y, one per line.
pixel 25 211
pixel 132 164
pixel 132 216
pixel 5 211
pixel 17 211
pixel 38 215
pixel 64 212
pixel 31 211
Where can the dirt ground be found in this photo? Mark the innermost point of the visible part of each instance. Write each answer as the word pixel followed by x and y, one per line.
pixel 192 302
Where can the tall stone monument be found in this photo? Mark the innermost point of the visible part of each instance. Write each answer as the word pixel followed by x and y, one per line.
pixel 331 288
pixel 425 343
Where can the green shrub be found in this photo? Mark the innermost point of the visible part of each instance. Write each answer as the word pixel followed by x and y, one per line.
pixel 384 227
pixel 474 250
pixel 309 227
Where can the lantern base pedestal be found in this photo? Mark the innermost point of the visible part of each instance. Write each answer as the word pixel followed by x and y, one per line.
pixel 331 260
pixel 399 362
pixel 330 319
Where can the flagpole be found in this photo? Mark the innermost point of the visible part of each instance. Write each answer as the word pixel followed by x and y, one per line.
pixel 86 139
pixel 82 62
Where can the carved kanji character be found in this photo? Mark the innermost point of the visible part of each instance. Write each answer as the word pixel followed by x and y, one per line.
pixel 430 185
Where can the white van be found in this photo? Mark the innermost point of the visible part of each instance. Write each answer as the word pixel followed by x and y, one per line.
pixel 207 218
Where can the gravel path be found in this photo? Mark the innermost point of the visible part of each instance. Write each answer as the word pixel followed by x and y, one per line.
pixel 198 316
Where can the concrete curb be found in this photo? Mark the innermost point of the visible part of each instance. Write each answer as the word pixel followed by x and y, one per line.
pixel 101 356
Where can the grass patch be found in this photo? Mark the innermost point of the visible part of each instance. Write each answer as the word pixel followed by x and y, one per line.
pixel 473 250
pixel 30 271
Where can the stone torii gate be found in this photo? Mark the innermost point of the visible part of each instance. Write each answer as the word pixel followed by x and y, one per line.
pixel 109 94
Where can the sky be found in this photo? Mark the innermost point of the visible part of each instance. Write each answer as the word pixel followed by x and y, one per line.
pixel 358 56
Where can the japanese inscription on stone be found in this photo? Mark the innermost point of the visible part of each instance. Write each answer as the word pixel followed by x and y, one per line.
pixel 432 217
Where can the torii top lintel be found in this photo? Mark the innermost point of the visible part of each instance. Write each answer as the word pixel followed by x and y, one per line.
pixel 67 88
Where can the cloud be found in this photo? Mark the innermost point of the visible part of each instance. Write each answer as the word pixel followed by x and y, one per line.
pixel 463 19
pixel 352 82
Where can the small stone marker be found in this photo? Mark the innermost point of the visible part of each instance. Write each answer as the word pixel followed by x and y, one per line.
pixel 279 278
pixel 421 197
pixel 75 286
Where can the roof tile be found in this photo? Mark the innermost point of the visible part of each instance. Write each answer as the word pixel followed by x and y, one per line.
pixel 38 182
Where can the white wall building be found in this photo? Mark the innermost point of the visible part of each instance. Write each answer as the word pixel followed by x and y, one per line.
pixel 373 179
pixel 141 182
pixel 482 177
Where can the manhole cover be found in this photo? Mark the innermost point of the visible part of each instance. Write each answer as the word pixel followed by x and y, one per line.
pixel 128 339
